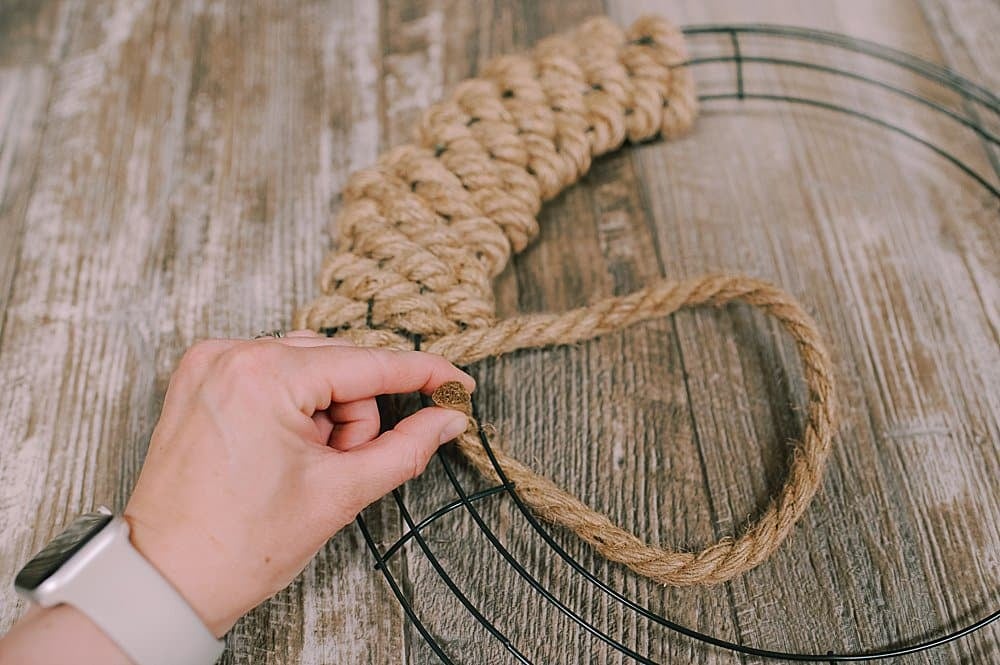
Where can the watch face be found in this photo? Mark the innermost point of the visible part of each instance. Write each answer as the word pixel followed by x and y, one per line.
pixel 60 549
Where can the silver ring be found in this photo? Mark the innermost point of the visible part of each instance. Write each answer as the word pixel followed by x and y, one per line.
pixel 276 334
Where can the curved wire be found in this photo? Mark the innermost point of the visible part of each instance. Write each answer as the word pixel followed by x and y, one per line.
pixel 974 125
pixel 829 656
pixel 438 514
pixel 947 78
pixel 452 586
pixel 398 593
pixel 929 70
pixel 965 168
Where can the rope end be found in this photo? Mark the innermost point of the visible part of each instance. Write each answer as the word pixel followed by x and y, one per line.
pixel 453 395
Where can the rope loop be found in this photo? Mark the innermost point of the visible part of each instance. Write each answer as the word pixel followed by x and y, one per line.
pixel 725 559
pixel 424 231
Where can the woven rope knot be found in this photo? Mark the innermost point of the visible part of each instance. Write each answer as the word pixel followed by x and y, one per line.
pixel 423 233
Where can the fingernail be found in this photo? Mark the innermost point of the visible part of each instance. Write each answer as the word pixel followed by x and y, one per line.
pixel 454 428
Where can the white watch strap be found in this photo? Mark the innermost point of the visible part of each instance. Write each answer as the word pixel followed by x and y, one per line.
pixel 137 608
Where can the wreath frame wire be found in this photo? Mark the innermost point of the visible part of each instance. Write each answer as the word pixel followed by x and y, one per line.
pixel 976 100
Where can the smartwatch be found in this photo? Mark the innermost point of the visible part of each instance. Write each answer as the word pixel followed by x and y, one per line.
pixel 93 566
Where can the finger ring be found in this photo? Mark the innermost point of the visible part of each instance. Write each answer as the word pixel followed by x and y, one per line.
pixel 276 334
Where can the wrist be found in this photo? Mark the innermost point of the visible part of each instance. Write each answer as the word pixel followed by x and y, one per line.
pixel 59 634
pixel 174 558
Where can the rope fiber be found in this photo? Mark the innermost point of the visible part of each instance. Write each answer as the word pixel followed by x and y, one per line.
pixel 423 233
pixel 726 558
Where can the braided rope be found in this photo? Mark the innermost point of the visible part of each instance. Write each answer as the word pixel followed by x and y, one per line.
pixel 423 233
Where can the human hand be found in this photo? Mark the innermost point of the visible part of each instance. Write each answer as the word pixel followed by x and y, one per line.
pixel 264 450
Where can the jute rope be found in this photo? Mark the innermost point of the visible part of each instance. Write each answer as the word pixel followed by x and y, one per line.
pixel 422 234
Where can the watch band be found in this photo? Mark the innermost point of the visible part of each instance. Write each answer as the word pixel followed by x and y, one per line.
pixel 135 605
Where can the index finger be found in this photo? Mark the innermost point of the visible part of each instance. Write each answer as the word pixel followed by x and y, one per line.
pixel 345 374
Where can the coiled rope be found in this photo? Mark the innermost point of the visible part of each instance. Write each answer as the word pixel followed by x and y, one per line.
pixel 423 233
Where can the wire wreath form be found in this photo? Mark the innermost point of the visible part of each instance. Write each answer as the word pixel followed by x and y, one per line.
pixel 975 103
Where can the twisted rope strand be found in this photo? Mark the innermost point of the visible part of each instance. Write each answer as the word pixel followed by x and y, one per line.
pixel 726 558
pixel 423 233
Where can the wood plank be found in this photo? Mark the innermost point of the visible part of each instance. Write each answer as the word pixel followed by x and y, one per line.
pixel 966 36
pixel 191 159
pixel 965 32
pixel 594 242
pixel 860 229
pixel 31 40
pixel 727 381
pixel 191 156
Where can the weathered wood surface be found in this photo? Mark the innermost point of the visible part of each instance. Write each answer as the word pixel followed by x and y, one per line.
pixel 168 171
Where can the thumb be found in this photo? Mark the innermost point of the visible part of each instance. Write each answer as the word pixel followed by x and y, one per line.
pixel 402 453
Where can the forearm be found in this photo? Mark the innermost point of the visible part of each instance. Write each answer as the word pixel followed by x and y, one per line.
pixel 58 634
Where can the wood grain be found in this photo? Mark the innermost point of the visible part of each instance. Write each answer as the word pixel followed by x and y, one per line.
pixel 173 201
pixel 169 171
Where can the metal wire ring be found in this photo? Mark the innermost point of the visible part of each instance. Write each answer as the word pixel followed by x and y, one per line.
pixel 974 100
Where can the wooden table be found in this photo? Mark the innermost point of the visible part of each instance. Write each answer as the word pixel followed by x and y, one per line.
pixel 169 171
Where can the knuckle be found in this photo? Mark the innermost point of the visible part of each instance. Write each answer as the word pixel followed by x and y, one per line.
pixel 435 364
pixel 196 359
pixel 199 352
pixel 386 369
pixel 419 459
pixel 378 357
pixel 248 361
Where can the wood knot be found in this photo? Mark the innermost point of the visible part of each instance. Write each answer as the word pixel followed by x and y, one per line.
pixel 453 395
